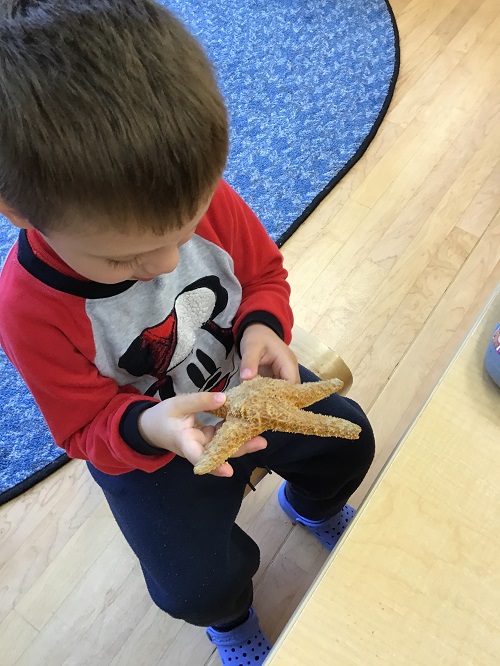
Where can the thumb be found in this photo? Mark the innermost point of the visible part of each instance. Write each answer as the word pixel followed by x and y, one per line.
pixel 190 403
pixel 250 361
pixel 287 368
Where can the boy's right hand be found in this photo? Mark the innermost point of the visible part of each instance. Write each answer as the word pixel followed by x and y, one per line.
pixel 170 425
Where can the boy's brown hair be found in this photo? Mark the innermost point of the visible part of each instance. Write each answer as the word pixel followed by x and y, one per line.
pixel 109 113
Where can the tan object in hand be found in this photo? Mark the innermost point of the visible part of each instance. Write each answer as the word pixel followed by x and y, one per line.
pixel 262 404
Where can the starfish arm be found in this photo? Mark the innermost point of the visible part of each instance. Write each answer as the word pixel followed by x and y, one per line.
pixel 227 440
pixel 303 395
pixel 308 423
pixel 252 398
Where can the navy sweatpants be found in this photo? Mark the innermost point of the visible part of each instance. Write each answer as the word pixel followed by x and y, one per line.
pixel 197 563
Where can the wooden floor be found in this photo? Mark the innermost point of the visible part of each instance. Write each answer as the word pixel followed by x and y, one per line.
pixel 390 271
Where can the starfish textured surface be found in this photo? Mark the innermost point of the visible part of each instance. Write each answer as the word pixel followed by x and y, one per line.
pixel 262 404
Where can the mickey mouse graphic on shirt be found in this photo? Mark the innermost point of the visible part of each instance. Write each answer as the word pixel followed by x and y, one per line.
pixel 178 339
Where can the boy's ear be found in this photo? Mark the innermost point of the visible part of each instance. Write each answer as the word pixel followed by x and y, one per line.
pixel 14 217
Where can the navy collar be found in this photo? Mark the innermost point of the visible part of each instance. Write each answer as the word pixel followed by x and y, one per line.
pixel 57 280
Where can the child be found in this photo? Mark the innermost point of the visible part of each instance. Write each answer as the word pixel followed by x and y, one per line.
pixel 141 288
pixel 492 357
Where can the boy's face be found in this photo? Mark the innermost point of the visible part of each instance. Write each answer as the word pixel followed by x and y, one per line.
pixel 110 257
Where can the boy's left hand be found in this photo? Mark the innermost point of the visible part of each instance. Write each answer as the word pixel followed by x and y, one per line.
pixel 264 353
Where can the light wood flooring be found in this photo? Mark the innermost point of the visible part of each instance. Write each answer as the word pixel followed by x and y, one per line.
pixel 390 271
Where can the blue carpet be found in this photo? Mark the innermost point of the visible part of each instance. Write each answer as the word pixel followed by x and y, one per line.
pixel 307 83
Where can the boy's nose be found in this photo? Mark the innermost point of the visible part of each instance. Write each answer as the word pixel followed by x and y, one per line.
pixel 163 262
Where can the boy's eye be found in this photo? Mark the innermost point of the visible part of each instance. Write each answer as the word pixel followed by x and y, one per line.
pixel 115 263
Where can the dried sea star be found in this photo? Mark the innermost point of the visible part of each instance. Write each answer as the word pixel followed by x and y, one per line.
pixel 262 404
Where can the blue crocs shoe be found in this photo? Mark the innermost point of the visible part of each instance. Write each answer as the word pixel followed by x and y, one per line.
pixel 242 646
pixel 329 530
pixel 492 358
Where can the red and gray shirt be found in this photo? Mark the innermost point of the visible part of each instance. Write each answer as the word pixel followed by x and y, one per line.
pixel 95 355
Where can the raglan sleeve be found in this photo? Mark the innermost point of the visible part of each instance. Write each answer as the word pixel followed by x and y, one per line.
pixel 258 266
pixel 89 415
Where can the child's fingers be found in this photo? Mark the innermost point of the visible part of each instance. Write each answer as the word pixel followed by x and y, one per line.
pixel 224 470
pixel 190 403
pixel 288 369
pixel 249 367
pixel 250 360
pixel 208 433
pixel 255 444
pixel 193 448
